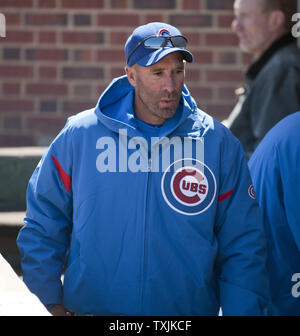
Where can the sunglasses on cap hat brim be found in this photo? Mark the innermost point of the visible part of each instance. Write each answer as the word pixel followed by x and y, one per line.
pixel 157 42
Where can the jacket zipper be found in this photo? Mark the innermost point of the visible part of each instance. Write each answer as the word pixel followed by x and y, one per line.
pixel 146 228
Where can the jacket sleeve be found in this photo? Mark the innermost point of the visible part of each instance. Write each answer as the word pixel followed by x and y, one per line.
pixel 241 262
pixel 274 168
pixel 43 241
pixel 274 100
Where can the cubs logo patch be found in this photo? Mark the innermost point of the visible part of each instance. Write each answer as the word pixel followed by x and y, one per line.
pixel 251 192
pixel 188 186
pixel 163 32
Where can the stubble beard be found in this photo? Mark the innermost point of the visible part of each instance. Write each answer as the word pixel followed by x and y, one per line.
pixel 154 109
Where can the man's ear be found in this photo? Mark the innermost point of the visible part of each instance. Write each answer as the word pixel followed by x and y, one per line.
pixel 131 75
pixel 276 20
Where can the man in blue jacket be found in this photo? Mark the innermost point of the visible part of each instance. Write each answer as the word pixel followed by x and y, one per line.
pixel 149 197
pixel 274 168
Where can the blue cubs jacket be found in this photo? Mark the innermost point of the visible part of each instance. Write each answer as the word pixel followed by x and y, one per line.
pixel 274 167
pixel 163 224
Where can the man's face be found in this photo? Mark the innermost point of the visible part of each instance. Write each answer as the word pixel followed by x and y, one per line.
pixel 251 26
pixel 158 88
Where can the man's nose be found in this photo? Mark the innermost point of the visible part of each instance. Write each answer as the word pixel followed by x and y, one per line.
pixel 169 84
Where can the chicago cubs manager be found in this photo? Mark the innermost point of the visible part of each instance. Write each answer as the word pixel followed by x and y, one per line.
pixel 150 199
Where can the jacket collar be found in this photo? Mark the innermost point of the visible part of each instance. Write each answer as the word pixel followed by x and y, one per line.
pixel 115 109
pixel 257 66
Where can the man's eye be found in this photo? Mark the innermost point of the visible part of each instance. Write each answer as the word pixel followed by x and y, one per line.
pixel 158 73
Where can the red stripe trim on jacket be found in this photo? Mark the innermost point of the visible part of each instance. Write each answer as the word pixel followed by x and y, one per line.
pixel 223 197
pixel 65 178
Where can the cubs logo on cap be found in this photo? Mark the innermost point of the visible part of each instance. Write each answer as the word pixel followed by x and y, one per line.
pixel 188 187
pixel 163 32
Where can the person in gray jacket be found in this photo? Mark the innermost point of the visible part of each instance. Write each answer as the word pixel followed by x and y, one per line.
pixel 273 79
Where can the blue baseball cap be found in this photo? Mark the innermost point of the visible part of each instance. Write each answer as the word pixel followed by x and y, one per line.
pixel 146 56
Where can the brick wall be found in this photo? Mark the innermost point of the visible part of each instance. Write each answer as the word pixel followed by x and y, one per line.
pixel 58 56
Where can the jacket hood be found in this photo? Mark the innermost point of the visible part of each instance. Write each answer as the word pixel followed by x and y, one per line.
pixel 115 108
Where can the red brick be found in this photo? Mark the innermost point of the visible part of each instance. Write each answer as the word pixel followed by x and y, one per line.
pixel 100 89
pixel 111 55
pixel 218 40
pixel 12 123
pixel 12 19
pixel 46 54
pixel 47 89
pixel 117 72
pixel 154 4
pixel 202 57
pixel 226 57
pixel 83 90
pixel 116 4
pixel 154 18
pixel 225 20
pixel 12 140
pixel 45 124
pixel 82 19
pixel 76 4
pixel 219 111
pixel 226 93
pixel 15 71
pixel 16 3
pixel 72 107
pixel 83 37
pixel 11 53
pixel 83 55
pixel 49 72
pixel 13 105
pixel 46 3
pixel 224 75
pixel 192 74
pixel 118 38
pixel 46 19
pixel 247 59
pixel 192 4
pixel 11 88
pixel 200 92
pixel 82 73
pixel 191 20
pixel 31 70
pixel 194 39
pixel 220 4
pixel 47 37
pixel 14 36
pixel 124 20
pixel 48 106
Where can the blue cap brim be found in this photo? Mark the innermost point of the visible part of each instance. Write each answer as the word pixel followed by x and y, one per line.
pixel 159 54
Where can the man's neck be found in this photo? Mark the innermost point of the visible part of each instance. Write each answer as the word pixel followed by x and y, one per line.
pixel 148 118
pixel 143 113
pixel 257 66
pixel 274 37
